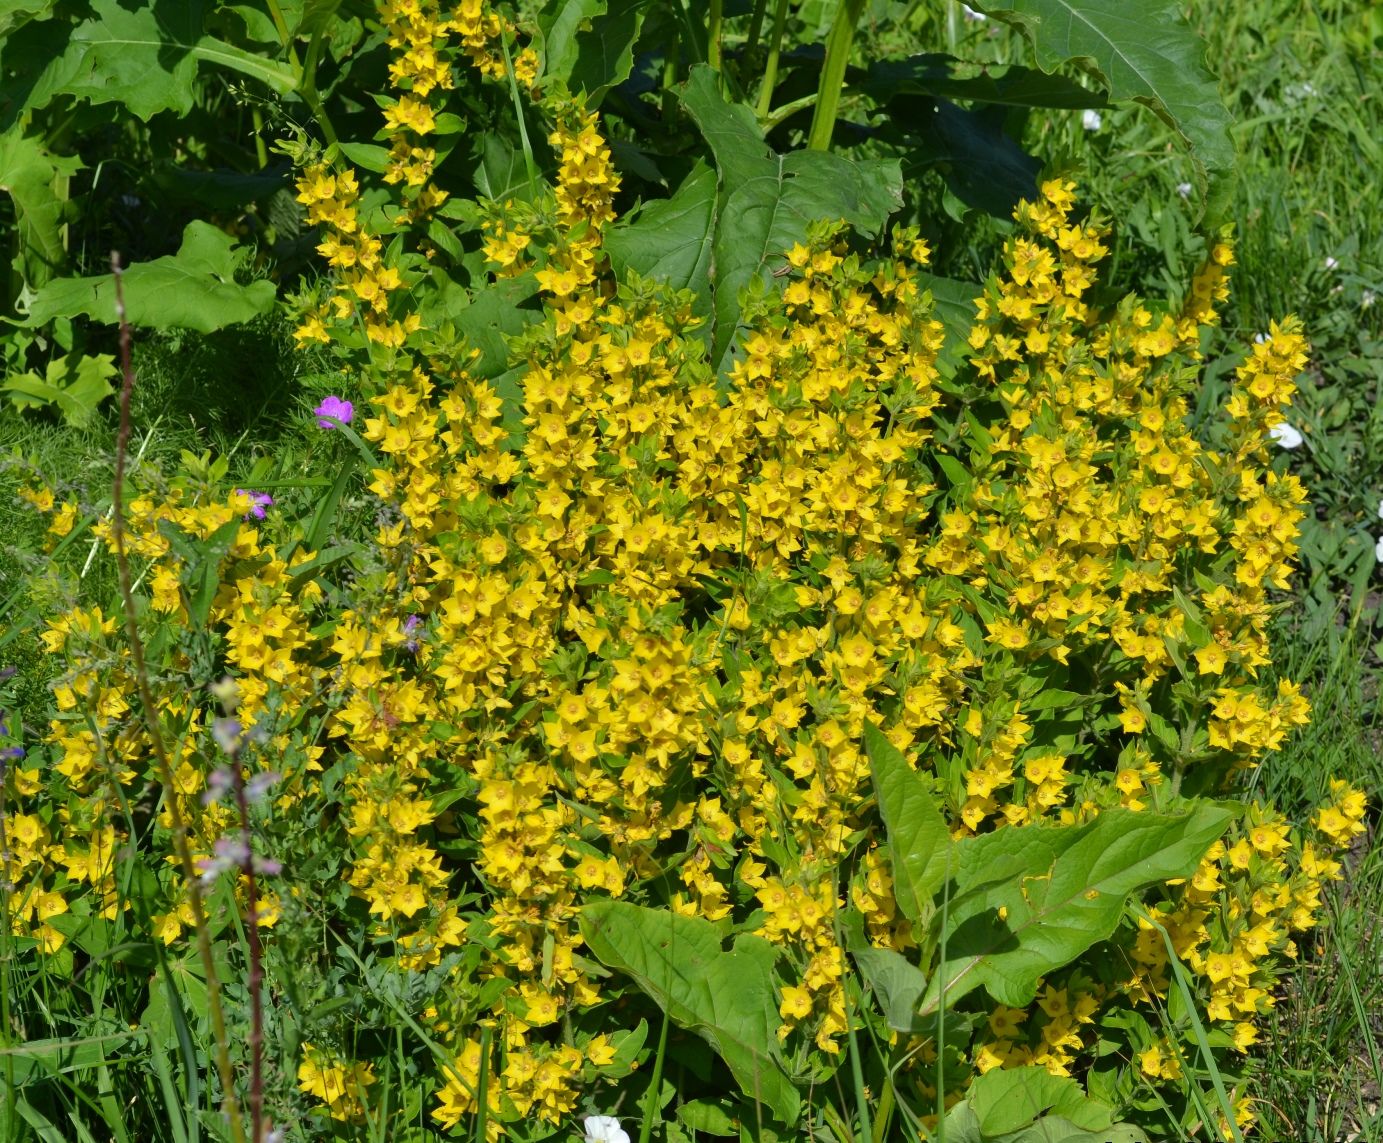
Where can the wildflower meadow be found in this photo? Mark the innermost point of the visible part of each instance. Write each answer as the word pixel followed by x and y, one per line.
pixel 610 570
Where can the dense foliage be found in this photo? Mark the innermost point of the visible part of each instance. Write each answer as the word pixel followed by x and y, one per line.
pixel 714 595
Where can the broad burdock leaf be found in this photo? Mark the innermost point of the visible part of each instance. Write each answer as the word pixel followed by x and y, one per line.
pixel 764 204
pixel 1144 53
pixel 672 239
pixel 146 57
pixel 726 998
pixel 1030 900
pixel 192 289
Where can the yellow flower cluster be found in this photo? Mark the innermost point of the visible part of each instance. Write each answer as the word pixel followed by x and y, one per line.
pixel 631 648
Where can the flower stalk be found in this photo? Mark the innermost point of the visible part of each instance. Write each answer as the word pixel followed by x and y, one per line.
pixel 230 1104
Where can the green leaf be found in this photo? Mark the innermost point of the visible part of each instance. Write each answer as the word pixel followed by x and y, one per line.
pixel 953 305
pixel 192 289
pixel 1145 53
pixel 981 162
pixel 963 1126
pixel 767 201
pixel 16 13
pixel 1007 1099
pixel 671 239
pixel 1032 899
pixel 146 57
pixel 938 74
pixel 590 43
pixel 918 840
pixel 898 984
pixel 726 998
pixel 76 384
pixel 36 180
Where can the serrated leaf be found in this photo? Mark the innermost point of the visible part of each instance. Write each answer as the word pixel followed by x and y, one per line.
pixel 726 998
pixel 767 201
pixel 146 58
pixel 76 384
pixel 1144 53
pixel 192 289
pixel 918 840
pixel 1031 900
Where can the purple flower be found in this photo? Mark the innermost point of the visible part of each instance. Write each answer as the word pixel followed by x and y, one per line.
pixel 413 622
pixel 343 411
pixel 260 501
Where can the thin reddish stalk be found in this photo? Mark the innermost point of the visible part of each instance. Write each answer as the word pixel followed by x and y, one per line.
pixel 230 1104
pixel 242 802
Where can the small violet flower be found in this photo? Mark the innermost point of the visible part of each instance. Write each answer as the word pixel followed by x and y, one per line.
pixel 410 629
pixel 1090 119
pixel 604 1129
pixel 343 411
pixel 227 732
pixel 259 502
pixel 1285 435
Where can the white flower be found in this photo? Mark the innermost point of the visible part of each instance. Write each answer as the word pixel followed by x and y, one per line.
pixel 1259 338
pixel 970 14
pixel 1380 509
pixel 604 1129
pixel 1285 435
pixel 1331 263
pixel 1366 302
pixel 1378 550
pixel 1090 119
pixel 1184 189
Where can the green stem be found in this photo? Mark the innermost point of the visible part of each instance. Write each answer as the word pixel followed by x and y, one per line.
pixel 787 111
pixel 261 151
pixel 650 1107
pixel 713 25
pixel 756 26
pixel 780 18
pixel 833 74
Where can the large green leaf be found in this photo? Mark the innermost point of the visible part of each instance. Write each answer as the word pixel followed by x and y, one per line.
pixel 589 44
pixel 672 238
pixel 192 289
pixel 1146 53
pixel 918 839
pixel 17 13
pixel 963 1126
pixel 977 156
pixel 36 180
pixel 1007 1099
pixel 146 57
pixel 726 998
pixel 938 74
pixel 766 202
pixel 1032 899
